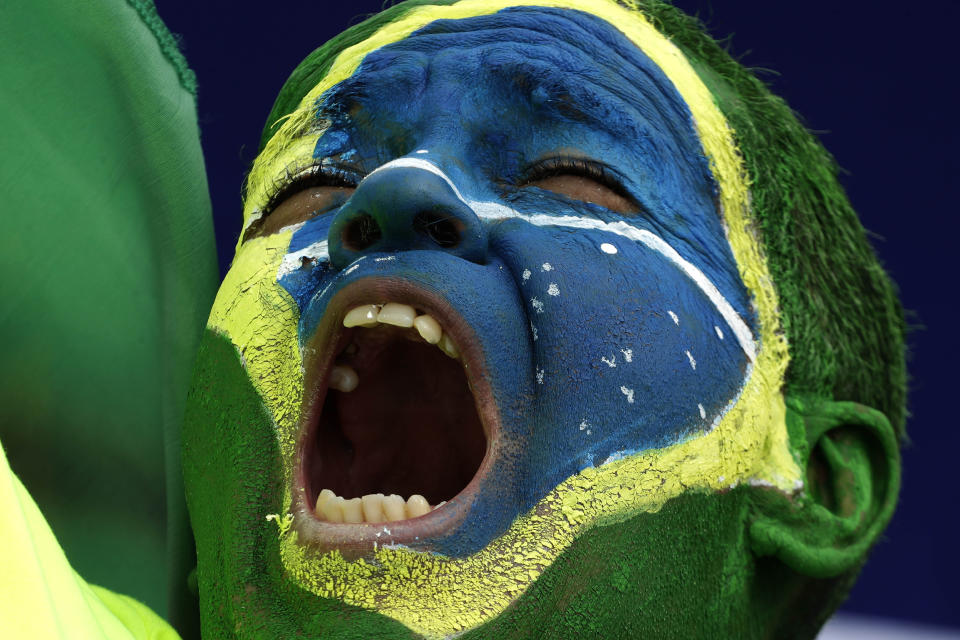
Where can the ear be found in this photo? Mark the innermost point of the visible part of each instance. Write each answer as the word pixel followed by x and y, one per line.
pixel 852 463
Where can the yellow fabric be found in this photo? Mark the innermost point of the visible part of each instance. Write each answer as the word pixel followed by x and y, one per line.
pixel 41 596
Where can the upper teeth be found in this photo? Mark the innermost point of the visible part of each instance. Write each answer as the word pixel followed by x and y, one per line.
pixel 399 315
pixel 344 378
pixel 428 328
pixel 365 316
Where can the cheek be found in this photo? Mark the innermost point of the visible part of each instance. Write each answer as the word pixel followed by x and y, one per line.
pixel 306 264
pixel 630 354
pixel 259 317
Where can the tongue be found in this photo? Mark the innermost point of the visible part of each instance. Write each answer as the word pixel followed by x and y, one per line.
pixel 411 423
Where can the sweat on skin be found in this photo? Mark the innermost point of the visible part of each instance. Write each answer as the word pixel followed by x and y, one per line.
pixel 620 358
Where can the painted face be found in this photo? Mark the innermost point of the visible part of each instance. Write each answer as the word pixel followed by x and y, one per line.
pixel 493 297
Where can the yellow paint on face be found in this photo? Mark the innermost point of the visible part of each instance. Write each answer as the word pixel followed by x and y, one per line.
pixel 260 318
pixel 436 595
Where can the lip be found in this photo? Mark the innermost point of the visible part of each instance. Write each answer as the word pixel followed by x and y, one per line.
pixel 355 540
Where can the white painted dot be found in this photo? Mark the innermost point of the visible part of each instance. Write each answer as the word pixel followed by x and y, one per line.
pixel 627 392
pixel 536 304
pixel 583 425
pixel 547 266
pixel 553 289
pixel 627 354
pixel 703 415
pixel 693 363
pixel 674 317
pixel 606 247
pixel 526 274
pixel 540 373
pixel 612 362
pixel 719 333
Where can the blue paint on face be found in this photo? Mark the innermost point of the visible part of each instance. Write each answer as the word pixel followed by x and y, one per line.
pixel 590 354
pixel 332 143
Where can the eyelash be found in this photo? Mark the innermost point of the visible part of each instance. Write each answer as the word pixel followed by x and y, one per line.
pixel 557 166
pixel 296 179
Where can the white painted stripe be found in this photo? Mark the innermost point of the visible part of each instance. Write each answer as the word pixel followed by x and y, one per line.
pixel 652 241
pixel 497 211
pixel 291 261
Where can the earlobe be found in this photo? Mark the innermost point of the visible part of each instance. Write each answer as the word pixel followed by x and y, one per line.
pixel 852 462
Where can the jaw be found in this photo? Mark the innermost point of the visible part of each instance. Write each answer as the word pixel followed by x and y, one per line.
pixel 421 420
pixel 458 581
pixel 584 568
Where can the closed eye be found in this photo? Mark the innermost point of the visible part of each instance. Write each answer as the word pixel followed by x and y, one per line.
pixel 304 195
pixel 583 180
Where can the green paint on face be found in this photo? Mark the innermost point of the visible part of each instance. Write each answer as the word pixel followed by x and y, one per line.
pixel 232 472
pixel 610 580
pixel 685 571
pixel 610 583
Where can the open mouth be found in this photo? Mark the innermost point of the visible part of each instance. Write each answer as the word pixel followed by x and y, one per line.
pixel 397 420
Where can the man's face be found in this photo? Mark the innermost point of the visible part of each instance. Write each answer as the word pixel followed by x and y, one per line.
pixel 487 286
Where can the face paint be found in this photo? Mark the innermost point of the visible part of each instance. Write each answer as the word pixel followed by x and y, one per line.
pixel 606 362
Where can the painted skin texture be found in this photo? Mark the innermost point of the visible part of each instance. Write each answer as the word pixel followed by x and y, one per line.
pixel 631 362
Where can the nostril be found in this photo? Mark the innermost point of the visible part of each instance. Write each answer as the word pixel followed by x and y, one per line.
pixel 443 229
pixel 361 232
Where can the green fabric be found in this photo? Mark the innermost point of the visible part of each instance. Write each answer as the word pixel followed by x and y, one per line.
pixel 107 269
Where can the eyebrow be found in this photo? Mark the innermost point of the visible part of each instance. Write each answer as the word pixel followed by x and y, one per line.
pixel 630 111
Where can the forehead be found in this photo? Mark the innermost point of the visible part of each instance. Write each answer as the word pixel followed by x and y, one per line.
pixel 560 65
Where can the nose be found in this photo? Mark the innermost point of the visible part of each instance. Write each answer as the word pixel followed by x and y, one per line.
pixel 405 209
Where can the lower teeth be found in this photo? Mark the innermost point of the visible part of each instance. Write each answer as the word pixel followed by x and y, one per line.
pixel 374 507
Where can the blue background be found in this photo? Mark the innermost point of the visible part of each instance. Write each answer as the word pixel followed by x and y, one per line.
pixel 874 80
